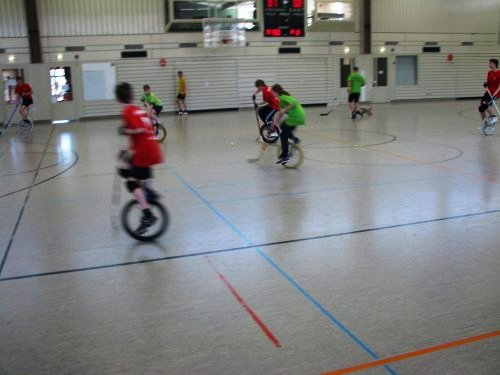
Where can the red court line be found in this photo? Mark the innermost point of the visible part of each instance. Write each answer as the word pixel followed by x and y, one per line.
pixel 436 166
pixel 242 302
pixel 416 353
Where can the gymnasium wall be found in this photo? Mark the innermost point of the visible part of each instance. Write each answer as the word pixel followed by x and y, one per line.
pixel 224 78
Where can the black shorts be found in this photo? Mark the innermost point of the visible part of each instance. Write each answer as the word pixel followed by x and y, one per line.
pixel 486 99
pixel 354 97
pixel 266 114
pixel 141 173
pixel 27 102
pixel 158 109
pixel 181 96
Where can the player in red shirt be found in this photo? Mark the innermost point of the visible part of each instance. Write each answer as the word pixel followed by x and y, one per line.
pixel 493 85
pixel 24 93
pixel 145 152
pixel 269 106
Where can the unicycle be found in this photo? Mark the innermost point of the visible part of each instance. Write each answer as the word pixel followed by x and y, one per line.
pixel 131 213
pixel 25 124
pixel 160 132
pixel 489 123
pixel 264 129
pixel 295 154
pixel 131 217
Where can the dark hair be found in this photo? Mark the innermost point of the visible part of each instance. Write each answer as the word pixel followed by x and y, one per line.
pixel 123 92
pixel 180 72
pixel 279 90
pixel 355 68
pixel 19 78
pixel 259 83
pixel 145 87
pixel 494 61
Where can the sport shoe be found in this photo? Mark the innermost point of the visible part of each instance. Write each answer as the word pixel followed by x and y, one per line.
pixel 296 140
pixel 273 134
pixel 283 161
pixel 353 115
pixel 185 113
pixel 493 119
pixel 179 112
pixel 146 222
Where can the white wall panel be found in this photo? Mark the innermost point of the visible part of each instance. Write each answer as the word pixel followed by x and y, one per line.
pixel 305 77
pixel 435 16
pixel 137 73
pixel 439 78
pixel 12 19
pixel 212 83
pixel 97 17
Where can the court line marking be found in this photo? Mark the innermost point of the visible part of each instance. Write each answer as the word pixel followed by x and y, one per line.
pixel 436 166
pixel 242 302
pixel 242 248
pixel 413 354
pixel 77 157
pixel 287 276
pixel 23 207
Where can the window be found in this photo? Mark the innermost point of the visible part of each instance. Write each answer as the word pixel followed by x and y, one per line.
pixel 9 84
pixel 60 84
pixel 187 15
pixel 406 70
pixel 334 10
pixel 346 64
pixel 380 71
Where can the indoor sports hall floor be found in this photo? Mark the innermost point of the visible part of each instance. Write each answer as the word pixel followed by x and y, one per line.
pixel 384 245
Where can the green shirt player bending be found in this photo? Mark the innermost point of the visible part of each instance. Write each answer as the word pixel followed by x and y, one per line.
pixel 152 103
pixel 354 83
pixel 290 115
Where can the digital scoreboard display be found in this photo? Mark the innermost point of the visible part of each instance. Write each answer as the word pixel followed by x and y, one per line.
pixel 284 18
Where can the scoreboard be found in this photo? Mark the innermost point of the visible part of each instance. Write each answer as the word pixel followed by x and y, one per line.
pixel 284 18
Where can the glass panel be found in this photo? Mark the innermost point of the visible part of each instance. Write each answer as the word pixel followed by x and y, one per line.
pixel 380 70
pixel 189 9
pixel 9 84
pixel 199 9
pixel 60 84
pixel 406 70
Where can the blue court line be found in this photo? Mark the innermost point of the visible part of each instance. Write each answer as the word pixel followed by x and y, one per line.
pixel 268 259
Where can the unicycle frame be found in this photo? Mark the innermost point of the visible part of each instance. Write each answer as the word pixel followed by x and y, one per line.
pixel 486 127
pixel 21 124
pixel 264 126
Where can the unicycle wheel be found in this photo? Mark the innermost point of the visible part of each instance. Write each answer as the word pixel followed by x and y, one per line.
pixel 131 216
pixel 488 127
pixel 296 155
pixel 160 133
pixel 26 125
pixel 267 136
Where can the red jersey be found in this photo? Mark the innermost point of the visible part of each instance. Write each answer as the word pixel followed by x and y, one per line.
pixel 21 89
pixel 146 151
pixel 270 98
pixel 493 81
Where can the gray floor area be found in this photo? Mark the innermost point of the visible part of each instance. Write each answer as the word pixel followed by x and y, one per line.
pixel 384 242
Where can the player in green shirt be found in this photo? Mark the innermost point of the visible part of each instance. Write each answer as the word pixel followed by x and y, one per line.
pixel 354 83
pixel 152 104
pixel 291 115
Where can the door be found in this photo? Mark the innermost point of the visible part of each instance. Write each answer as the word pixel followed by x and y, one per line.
pixel 380 91
pixel 62 96
pixel 8 100
pixel 346 65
